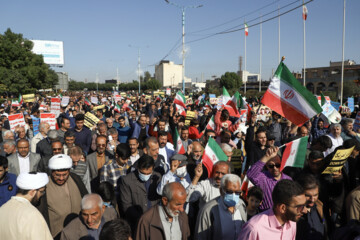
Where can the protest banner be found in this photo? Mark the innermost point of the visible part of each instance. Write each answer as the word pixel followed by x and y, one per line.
pixel 99 107
pixel 351 104
pixel 29 97
pixel 48 118
pixel 55 106
pixel 104 99
pixel 16 120
pixel 338 161
pixel 190 115
pixel 330 113
pixel 117 98
pixel 65 101
pixel 168 91
pixel 336 105
pixel 94 100
pixel 263 114
pixel 357 122
pixel 327 99
pixel 189 101
pixel 90 120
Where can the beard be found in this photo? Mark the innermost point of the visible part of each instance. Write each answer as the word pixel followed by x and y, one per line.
pixel 171 213
pixel 292 216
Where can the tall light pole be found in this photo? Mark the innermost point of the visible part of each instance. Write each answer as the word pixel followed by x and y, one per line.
pixel 138 71
pixel 183 8
pixel 342 59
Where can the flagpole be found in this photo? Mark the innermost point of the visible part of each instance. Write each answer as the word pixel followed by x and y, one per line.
pixel 260 54
pixel 342 63
pixel 279 35
pixel 244 73
pixel 304 74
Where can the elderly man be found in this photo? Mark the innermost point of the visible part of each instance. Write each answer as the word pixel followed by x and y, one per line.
pixel 279 222
pixel 268 178
pixel 91 220
pixel 43 131
pixel 23 160
pixel 44 146
pixel 19 218
pixel 138 190
pixel 97 160
pixel 348 132
pixel 224 216
pixel 335 136
pixel 208 189
pixel 63 194
pixel 168 220
pixel 9 147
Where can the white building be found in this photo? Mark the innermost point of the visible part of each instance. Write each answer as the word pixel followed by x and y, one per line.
pixel 170 74
pixel 248 77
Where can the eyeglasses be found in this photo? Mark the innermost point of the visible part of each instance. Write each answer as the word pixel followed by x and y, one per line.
pixel 299 208
pixel 271 166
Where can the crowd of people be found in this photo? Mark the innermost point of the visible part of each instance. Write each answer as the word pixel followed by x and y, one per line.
pixel 125 177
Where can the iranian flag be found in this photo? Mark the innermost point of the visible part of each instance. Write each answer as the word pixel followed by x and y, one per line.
pixel 117 108
pixel 235 103
pixel 212 154
pixel 286 96
pixel 179 147
pixel 200 100
pixel 294 153
pixel 87 101
pixel 211 124
pixel 246 185
pixel 180 99
pixel 246 30
pixel 208 105
pixel 304 12
pixel 18 102
pixel 323 100
pixel 225 96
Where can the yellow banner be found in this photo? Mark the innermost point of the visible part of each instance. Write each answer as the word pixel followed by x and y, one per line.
pixel 189 116
pixel 29 97
pixel 98 107
pixel 338 161
pixel 90 120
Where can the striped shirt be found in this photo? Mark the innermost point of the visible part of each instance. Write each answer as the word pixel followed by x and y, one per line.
pixel 112 171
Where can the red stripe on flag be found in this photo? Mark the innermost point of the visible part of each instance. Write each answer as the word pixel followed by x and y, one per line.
pixel 284 109
pixel 208 163
pixel 286 155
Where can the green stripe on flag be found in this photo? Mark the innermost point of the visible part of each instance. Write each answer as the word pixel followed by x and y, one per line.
pixel 301 153
pixel 284 74
pixel 217 150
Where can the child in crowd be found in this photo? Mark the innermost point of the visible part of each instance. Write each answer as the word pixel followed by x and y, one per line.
pixel 254 200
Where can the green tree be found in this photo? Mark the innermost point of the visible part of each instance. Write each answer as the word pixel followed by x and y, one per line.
pixel 350 89
pixel 230 80
pixel 21 70
pixel 152 84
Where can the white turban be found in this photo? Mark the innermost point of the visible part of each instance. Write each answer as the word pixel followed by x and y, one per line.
pixel 60 161
pixel 28 181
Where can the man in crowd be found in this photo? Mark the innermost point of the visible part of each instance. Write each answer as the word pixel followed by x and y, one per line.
pixel 161 125
pixel 82 134
pixel 138 190
pixel 335 136
pixel 136 153
pixel 278 222
pixel 152 149
pixel 69 138
pixel 23 160
pixel 166 149
pixel 43 131
pixel 64 126
pixel 184 136
pixel 7 182
pixel 140 130
pixel 9 147
pixel 19 218
pixel 64 191
pixel 168 219
pixel 57 148
pixel 91 220
pixel 194 158
pixel 80 167
pixel 44 146
pixel 123 131
pixel 224 216
pixel 348 131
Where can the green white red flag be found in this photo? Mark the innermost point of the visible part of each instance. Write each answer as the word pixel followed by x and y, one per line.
pixel 179 147
pixel 87 101
pixel 212 154
pixel 180 99
pixel 294 153
pixel 235 103
pixel 18 102
pixel 304 12
pixel 286 96
pixel 117 108
pixel 211 124
pixel 208 105
pixel 246 30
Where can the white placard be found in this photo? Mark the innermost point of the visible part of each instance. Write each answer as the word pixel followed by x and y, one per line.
pixel 65 101
pixel 55 106
pixel 16 120
pixel 49 118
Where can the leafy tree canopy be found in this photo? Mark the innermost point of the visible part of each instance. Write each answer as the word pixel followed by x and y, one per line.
pixel 22 71
pixel 230 80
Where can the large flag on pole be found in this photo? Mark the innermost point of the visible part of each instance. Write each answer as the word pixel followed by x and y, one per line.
pixel 212 154
pixel 304 12
pixel 286 96
pixel 294 153
pixel 225 96
pixel 180 99
pixel 246 30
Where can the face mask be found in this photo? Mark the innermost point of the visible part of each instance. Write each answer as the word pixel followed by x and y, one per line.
pixel 181 172
pixel 231 199
pixel 144 177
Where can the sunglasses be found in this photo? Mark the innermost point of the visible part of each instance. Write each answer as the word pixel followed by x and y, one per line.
pixel 232 192
pixel 271 166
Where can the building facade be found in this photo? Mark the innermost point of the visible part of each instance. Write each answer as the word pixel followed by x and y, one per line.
pixel 170 74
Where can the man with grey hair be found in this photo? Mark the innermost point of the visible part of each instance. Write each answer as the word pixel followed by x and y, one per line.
pixel 9 147
pixel 91 220
pixel 335 136
pixel 6 135
pixel 208 189
pixel 166 220
pixel 348 132
pixel 43 131
pixel 44 146
pixel 224 216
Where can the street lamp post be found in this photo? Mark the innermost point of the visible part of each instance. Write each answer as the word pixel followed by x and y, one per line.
pixel 183 8
pixel 138 71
